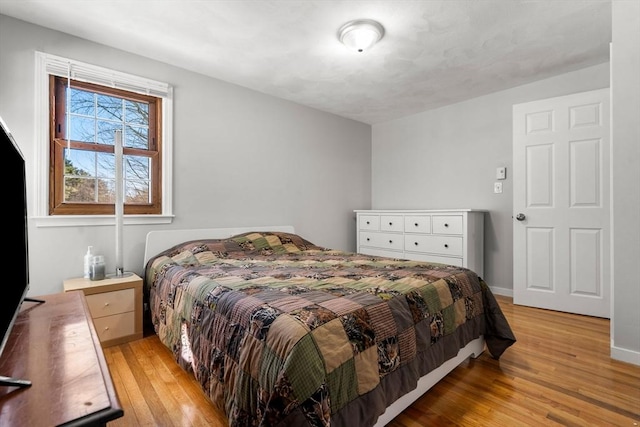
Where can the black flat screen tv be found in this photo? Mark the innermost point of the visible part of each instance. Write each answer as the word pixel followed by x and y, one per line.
pixel 14 290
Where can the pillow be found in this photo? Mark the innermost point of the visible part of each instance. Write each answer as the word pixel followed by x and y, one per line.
pixel 247 244
pixel 266 243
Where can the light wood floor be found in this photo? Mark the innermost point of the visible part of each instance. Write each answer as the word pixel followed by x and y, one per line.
pixel 558 373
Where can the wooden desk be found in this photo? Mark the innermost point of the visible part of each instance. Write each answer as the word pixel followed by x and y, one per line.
pixel 55 346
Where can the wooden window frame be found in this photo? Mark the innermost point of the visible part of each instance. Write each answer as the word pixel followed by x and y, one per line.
pixel 58 143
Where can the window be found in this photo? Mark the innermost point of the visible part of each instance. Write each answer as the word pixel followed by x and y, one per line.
pixel 80 106
pixel 84 118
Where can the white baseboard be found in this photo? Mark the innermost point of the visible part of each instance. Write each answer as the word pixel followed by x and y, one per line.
pixel 506 292
pixel 625 355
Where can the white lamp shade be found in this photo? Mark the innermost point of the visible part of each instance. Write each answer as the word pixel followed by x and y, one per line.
pixel 360 35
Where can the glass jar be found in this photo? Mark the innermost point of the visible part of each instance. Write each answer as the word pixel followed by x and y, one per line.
pixel 96 272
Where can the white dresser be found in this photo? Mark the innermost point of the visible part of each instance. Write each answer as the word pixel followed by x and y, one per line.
pixel 454 237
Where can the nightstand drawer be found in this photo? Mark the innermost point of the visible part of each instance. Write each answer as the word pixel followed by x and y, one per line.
pixel 116 326
pixel 110 303
pixel 441 245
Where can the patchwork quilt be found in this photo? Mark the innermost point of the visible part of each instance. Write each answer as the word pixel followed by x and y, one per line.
pixel 279 331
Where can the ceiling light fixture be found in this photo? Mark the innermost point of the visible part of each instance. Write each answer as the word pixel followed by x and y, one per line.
pixel 361 34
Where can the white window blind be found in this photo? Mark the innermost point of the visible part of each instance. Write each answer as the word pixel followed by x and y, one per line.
pixel 89 73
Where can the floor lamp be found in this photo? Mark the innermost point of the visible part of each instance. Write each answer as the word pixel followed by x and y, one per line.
pixel 119 205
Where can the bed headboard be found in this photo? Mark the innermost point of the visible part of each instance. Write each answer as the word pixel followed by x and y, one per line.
pixel 159 240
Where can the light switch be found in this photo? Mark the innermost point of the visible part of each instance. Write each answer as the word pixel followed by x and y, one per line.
pixel 497 187
pixel 501 173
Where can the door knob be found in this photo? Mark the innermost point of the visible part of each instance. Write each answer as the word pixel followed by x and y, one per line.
pixel 521 217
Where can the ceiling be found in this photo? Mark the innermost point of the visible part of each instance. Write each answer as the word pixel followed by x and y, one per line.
pixel 434 52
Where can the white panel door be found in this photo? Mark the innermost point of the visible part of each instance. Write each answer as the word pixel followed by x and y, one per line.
pixel 561 203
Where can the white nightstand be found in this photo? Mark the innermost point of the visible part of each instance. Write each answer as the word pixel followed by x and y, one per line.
pixel 115 305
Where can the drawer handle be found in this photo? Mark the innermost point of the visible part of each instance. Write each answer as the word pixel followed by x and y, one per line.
pixel 446 246
pixel 368 239
pixel 106 328
pixel 416 224
pixel 446 225
pixel 390 223
pixel 415 243
pixel 390 241
pixel 106 304
pixel 368 223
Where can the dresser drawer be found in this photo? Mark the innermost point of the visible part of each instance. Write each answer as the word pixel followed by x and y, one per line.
pixel 382 240
pixel 458 262
pixel 109 303
pixel 447 224
pixel 417 224
pixel 391 223
pixel 369 222
pixel 443 245
pixel 382 252
pixel 115 326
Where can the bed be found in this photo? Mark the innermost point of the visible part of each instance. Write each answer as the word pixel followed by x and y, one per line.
pixel 281 332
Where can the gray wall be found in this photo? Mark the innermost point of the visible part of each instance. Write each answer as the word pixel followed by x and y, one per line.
pixel 625 167
pixel 240 157
pixel 447 158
